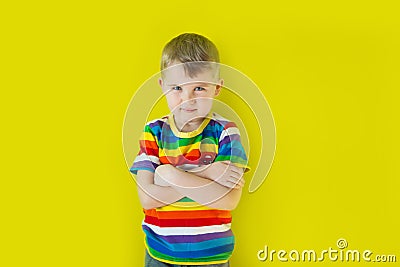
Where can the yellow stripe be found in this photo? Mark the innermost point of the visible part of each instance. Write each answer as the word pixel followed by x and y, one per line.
pixel 187 149
pixel 147 136
pixel 184 206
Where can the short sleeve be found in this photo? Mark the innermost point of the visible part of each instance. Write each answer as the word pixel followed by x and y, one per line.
pixel 147 157
pixel 230 147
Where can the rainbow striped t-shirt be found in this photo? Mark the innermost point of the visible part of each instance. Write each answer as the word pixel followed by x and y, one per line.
pixel 186 232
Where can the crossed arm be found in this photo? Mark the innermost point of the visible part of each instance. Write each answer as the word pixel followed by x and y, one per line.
pixel 218 185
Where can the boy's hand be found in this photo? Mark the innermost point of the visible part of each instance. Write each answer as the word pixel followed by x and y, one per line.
pixel 224 173
pixel 160 175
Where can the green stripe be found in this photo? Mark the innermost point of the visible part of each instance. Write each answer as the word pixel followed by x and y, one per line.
pixel 190 141
pixel 185 199
pixel 148 129
pixel 234 159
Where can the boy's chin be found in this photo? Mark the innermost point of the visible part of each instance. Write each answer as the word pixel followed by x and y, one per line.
pixel 190 117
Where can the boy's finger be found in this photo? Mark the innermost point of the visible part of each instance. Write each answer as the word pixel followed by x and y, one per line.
pixel 236 169
pixel 236 179
pixel 241 182
pixel 237 183
pixel 236 176
pixel 230 184
pixel 239 186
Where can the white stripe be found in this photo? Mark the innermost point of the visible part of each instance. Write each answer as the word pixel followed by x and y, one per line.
pixel 161 119
pixel 229 131
pixel 189 230
pixel 219 118
pixel 145 157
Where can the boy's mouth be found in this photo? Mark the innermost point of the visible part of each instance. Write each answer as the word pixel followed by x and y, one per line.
pixel 189 110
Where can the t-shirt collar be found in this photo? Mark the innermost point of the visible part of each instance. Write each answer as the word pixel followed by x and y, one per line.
pixel 180 134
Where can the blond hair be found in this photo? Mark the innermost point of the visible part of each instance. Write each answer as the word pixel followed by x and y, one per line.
pixel 190 47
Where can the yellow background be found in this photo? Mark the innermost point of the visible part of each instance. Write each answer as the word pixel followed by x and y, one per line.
pixel 329 70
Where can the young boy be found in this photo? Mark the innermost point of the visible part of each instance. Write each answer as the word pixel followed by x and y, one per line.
pixel 190 164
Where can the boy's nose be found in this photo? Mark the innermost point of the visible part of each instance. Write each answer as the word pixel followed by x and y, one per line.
pixel 186 95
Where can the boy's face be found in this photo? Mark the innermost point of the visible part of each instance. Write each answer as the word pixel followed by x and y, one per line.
pixel 190 99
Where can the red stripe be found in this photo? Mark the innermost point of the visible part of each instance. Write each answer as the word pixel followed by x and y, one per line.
pixel 148 144
pixel 148 151
pixel 229 125
pixel 188 214
pixel 182 159
pixel 195 153
pixel 148 147
pixel 186 222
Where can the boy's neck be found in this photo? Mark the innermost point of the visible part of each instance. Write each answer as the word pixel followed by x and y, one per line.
pixel 188 126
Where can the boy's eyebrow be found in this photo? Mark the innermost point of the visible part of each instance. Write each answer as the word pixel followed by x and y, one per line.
pixel 197 83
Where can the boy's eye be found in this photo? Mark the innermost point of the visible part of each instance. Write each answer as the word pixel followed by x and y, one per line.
pixel 176 88
pixel 199 88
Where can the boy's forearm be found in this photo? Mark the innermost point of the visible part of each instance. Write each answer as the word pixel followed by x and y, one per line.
pixel 152 195
pixel 159 196
pixel 201 190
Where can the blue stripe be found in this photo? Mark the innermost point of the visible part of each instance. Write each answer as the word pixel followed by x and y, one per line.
pixel 193 253
pixel 135 170
pixel 218 242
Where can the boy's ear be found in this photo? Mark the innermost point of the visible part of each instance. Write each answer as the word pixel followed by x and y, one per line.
pixel 219 87
pixel 160 82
